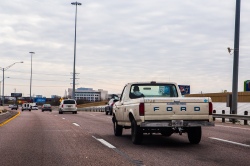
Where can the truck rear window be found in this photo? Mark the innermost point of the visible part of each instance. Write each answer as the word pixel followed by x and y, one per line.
pixel 153 90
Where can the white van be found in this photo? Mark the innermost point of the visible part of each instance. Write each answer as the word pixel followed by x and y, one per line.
pixel 68 105
pixel 26 106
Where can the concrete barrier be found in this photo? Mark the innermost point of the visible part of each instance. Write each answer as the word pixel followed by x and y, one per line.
pixel 5 115
pixel 2 109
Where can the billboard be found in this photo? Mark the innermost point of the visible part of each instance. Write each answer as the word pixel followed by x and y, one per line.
pixel 185 89
pixel 16 94
pixel 246 85
pixel 39 100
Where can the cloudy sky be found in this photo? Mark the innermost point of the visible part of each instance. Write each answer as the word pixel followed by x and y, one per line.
pixel 121 41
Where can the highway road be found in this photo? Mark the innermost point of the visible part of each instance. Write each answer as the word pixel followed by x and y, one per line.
pixel 47 138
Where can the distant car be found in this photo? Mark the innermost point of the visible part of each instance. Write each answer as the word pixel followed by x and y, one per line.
pixel 68 105
pixel 35 107
pixel 11 105
pixel 46 107
pixel 26 106
pixel 109 107
pixel 14 107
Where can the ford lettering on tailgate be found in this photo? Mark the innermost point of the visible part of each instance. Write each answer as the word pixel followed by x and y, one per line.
pixel 169 108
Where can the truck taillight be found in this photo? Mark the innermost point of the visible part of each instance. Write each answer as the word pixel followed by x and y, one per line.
pixel 210 108
pixel 141 109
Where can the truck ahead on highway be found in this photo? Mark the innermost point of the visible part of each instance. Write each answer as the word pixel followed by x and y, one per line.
pixel 26 106
pixel 158 107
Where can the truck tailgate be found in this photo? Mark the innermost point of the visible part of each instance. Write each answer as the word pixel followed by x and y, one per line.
pixel 177 108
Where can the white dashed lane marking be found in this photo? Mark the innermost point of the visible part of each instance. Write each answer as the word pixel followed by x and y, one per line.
pixel 76 124
pixel 104 142
pixel 236 143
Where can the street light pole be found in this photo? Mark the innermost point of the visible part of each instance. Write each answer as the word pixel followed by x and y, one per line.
pixel 74 66
pixel 31 53
pixel 3 69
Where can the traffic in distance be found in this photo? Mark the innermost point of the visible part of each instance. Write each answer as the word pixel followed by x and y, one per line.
pixel 149 108
pixel 156 114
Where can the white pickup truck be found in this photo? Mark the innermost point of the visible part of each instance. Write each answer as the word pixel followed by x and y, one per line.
pixel 158 107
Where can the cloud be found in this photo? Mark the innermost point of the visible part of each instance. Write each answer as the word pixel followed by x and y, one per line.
pixel 120 42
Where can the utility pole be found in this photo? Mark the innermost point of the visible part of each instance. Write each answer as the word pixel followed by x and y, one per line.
pixel 74 65
pixel 236 59
pixel 31 53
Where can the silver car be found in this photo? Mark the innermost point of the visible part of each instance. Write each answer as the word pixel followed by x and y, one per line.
pixel 68 105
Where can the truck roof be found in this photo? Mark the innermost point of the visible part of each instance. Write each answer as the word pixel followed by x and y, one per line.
pixel 151 82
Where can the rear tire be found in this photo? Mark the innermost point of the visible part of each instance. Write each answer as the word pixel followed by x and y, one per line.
pixel 136 133
pixel 111 111
pixel 194 135
pixel 117 128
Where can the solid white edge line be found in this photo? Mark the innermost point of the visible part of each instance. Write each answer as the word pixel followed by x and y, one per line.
pixel 233 127
pixel 76 124
pixel 104 142
pixel 236 143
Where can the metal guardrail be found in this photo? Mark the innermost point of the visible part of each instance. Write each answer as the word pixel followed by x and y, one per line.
pixel 239 117
pixel 93 109
pixel 232 117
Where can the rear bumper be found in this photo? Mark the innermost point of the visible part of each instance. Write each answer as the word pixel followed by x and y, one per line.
pixel 26 108
pixel 178 123
pixel 108 109
pixel 69 110
pixel 46 109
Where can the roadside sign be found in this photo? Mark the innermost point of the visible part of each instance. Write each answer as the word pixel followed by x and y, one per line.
pixel 185 89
